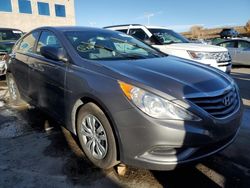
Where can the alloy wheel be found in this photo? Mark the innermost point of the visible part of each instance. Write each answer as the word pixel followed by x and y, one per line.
pixel 94 136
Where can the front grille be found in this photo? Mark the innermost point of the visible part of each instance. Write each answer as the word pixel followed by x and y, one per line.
pixel 221 57
pixel 218 106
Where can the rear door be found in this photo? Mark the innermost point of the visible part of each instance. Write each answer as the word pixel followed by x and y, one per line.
pixel 20 59
pixel 243 52
pixel 47 77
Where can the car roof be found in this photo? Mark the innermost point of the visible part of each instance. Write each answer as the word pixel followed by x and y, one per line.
pixel 71 28
pixel 122 25
pixel 128 25
pixel 235 39
pixel 156 27
pixel 10 29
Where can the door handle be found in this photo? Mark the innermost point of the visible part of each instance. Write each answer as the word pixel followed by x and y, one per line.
pixel 35 66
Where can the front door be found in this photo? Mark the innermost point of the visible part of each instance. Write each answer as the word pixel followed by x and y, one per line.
pixel 47 77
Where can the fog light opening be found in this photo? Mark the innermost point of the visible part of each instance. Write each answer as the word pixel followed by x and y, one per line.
pixel 163 151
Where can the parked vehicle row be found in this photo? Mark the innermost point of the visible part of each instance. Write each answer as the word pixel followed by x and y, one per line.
pixel 126 101
pixel 172 43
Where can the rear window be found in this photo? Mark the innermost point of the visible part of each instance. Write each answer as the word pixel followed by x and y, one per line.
pixel 6 35
pixel 28 43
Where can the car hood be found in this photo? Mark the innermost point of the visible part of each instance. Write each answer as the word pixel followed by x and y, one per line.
pixel 171 75
pixel 196 47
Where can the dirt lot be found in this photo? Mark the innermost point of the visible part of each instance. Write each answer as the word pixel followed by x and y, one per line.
pixel 32 155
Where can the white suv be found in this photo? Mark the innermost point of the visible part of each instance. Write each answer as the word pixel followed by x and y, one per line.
pixel 172 43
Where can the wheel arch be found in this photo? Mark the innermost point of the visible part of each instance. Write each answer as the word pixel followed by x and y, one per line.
pixel 86 99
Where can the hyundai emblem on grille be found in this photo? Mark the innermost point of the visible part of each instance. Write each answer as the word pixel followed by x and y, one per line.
pixel 227 101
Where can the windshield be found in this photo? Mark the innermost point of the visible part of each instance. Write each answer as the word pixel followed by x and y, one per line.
pixel 6 48
pixel 10 35
pixel 109 45
pixel 166 36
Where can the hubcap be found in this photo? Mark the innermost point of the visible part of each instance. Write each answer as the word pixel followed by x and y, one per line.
pixel 94 136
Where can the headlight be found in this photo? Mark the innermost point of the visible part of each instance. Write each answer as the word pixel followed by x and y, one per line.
pixel 198 55
pixel 155 106
pixel 219 56
pixel 2 64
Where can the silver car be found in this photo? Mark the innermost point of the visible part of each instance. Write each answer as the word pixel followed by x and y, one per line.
pixel 239 50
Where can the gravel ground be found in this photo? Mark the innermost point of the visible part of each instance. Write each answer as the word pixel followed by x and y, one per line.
pixel 30 156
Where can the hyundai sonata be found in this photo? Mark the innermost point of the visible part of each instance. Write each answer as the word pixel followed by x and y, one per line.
pixel 125 101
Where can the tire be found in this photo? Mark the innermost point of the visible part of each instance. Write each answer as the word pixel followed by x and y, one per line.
pixel 13 90
pixel 98 141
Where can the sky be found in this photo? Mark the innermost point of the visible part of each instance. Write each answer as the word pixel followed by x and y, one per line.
pixel 178 15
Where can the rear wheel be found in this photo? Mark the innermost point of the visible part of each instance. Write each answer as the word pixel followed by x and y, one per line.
pixel 96 136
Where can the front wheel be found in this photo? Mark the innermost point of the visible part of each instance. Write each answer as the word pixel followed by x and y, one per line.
pixel 96 136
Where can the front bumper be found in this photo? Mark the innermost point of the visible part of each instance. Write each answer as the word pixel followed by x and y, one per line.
pixel 163 144
pixel 224 66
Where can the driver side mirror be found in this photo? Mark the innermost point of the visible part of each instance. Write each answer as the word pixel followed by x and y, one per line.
pixel 54 53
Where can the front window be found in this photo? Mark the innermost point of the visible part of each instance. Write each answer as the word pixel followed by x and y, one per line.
pixel 230 44
pixel 166 36
pixel 108 45
pixel 43 8
pixel 25 6
pixel 60 10
pixel 47 38
pixel 5 6
pixel 244 45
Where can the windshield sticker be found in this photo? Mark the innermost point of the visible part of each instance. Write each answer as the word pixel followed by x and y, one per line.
pixel 83 48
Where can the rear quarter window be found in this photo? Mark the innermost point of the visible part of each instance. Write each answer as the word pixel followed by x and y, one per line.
pixel 28 43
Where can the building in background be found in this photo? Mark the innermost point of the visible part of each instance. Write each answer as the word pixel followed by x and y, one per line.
pixel 29 14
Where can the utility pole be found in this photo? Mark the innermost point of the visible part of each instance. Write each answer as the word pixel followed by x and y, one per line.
pixel 148 16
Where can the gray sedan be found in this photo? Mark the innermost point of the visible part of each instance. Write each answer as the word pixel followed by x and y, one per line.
pixel 125 101
pixel 239 50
